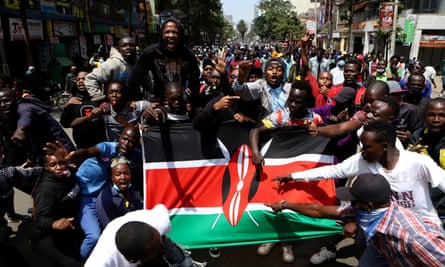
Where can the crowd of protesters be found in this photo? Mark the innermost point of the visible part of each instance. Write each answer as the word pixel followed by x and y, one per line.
pixel 266 87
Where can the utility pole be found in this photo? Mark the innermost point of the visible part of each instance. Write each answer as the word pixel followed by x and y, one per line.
pixel 394 28
pixel 351 35
pixel 316 22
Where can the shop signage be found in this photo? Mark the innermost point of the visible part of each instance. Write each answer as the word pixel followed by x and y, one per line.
pixel 64 29
pixel 17 32
pixel 410 26
pixel 386 16
pixel 432 41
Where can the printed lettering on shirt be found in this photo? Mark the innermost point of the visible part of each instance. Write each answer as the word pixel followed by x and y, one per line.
pixel 404 199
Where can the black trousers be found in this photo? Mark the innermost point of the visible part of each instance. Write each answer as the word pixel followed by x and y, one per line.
pixel 62 253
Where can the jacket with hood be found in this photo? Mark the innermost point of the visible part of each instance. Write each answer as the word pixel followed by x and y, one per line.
pixel 39 126
pixel 115 68
pixel 154 59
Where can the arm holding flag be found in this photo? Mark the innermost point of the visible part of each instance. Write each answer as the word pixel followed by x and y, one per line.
pixel 254 134
pixel 320 211
pixel 338 129
pixel 309 209
pixel 348 168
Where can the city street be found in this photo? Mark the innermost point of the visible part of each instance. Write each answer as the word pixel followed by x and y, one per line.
pixel 230 256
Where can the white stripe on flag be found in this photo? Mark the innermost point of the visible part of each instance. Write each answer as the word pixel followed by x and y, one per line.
pixel 317 158
pixel 185 164
pixel 214 210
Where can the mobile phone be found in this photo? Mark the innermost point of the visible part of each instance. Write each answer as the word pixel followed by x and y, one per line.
pixel 402 127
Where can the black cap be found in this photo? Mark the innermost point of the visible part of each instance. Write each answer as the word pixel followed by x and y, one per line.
pixel 367 187
pixel 206 62
pixel 346 94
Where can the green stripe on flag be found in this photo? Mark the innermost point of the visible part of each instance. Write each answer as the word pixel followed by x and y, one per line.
pixel 195 231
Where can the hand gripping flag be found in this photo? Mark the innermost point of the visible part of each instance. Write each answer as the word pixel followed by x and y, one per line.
pixel 215 194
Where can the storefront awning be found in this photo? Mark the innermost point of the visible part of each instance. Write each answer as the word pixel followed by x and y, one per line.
pixel 64 61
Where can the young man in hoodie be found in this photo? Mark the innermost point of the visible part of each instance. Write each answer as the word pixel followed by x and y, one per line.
pixel 116 68
pixel 167 61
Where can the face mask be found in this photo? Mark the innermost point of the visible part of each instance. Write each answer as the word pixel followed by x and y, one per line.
pixel 118 189
pixel 368 220
pixel 380 71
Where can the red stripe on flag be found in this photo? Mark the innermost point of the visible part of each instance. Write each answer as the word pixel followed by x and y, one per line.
pixel 203 187
pixel 184 187
pixel 322 192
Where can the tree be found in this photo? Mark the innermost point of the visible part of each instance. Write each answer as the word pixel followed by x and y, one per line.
pixel 228 31
pixel 203 19
pixel 242 28
pixel 277 21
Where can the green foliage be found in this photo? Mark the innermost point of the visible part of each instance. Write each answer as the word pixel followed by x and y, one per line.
pixel 228 31
pixel 278 21
pixel 242 28
pixel 198 16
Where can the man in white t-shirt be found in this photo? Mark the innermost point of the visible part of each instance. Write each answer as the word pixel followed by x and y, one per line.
pixel 337 73
pixel 409 174
pixel 430 74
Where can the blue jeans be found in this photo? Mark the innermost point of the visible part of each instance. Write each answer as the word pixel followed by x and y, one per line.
pixel 371 258
pixel 89 221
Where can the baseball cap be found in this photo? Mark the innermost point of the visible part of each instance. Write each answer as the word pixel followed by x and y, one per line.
pixel 346 94
pixel 368 187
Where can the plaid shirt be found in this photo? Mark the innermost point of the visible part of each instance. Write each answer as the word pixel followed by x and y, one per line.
pixel 405 240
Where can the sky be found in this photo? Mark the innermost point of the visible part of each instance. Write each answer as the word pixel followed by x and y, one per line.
pixel 239 9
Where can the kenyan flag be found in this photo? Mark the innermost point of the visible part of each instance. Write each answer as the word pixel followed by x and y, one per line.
pixel 215 194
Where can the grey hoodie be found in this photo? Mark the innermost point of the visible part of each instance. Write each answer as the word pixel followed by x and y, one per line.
pixel 115 68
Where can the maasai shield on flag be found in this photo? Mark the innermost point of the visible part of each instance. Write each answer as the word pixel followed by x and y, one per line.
pixel 215 194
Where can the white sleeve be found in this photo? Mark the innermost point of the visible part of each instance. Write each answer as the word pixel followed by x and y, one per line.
pixel 348 168
pixel 435 174
pixel 441 185
pixel 105 253
pixel 141 105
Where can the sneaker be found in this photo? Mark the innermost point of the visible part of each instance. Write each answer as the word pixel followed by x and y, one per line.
pixel 323 255
pixel 288 254
pixel 214 252
pixel 16 218
pixel 264 249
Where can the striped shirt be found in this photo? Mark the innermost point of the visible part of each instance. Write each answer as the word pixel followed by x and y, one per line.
pixel 405 240
pixel 283 118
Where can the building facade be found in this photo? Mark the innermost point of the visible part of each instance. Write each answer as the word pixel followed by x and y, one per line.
pixel 420 28
pixel 55 34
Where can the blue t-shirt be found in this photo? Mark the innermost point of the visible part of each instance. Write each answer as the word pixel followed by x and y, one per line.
pixel 94 172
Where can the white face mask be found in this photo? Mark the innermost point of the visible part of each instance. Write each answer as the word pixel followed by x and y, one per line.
pixel 380 71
